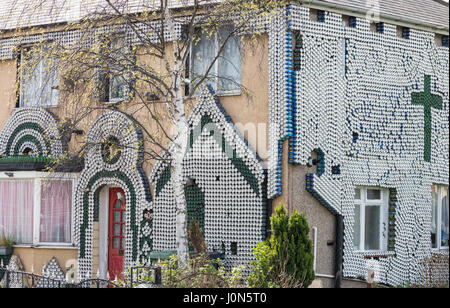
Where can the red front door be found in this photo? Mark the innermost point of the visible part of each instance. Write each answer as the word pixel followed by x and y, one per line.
pixel 116 249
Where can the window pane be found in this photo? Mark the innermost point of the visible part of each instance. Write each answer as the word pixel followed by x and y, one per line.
pixel 116 229
pixel 357 227
pixel 118 88
pixel 49 92
pixel 229 62
pixel 373 194
pixel 16 210
pixel 357 193
pixel 118 85
pixel 30 78
pixel 39 78
pixel 117 204
pixel 434 215
pixel 444 217
pixel 117 216
pixel 204 54
pixel 56 211
pixel 372 228
pixel 116 242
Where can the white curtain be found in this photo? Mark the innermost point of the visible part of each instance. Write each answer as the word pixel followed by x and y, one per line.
pixel 16 210
pixel 225 75
pixel 229 62
pixel 56 210
pixel 39 79
pixel 204 53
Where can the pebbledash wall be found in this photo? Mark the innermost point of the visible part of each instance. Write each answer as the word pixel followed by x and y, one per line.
pixel 355 97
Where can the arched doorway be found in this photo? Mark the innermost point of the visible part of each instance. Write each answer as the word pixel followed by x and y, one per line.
pixel 109 232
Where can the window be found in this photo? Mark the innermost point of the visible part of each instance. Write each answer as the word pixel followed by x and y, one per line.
pixel 317 15
pixel 16 210
pixel 118 83
pixel 377 27
pixel 38 78
pixel 371 219
pixel 35 210
pixel 349 21
pixel 439 217
pixel 225 74
pixel 56 208
pixel 441 40
pixel 403 32
pixel 114 72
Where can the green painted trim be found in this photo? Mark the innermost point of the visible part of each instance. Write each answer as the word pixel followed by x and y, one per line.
pixel 392 218
pixel 132 209
pixel 23 126
pixel 164 178
pixel 28 138
pixel 195 200
pixel 428 101
pixel 237 161
pixel 26 159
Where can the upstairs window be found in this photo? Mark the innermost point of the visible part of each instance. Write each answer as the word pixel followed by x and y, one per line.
pixel 377 27
pixel 38 77
pixel 349 21
pixel 439 217
pixel 403 32
pixel 114 71
pixel 118 86
pixel 441 40
pixel 225 74
pixel 371 219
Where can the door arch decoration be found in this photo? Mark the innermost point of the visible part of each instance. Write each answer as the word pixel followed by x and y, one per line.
pixel 117 172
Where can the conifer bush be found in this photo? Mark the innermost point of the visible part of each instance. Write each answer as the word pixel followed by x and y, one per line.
pixel 286 259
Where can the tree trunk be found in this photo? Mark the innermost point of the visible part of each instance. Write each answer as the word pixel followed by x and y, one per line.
pixel 180 147
pixel 179 151
pixel 179 196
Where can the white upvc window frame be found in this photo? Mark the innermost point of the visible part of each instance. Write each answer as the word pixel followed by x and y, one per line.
pixel 383 203
pixel 54 92
pixel 38 178
pixel 439 220
pixel 192 58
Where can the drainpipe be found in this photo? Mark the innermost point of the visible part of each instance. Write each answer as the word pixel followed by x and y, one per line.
pixel 339 249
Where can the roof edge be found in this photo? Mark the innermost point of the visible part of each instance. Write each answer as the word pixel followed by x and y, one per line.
pixel 397 20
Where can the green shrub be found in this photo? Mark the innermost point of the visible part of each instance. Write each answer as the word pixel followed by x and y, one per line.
pixel 286 260
pixel 6 240
pixel 200 272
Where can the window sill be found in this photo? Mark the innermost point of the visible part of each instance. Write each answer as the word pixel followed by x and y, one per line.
pixel 113 102
pixel 442 251
pixel 40 106
pixel 377 254
pixel 230 93
pixel 221 94
pixel 46 246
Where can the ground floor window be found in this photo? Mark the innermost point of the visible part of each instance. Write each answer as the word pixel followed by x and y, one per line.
pixel 36 210
pixel 371 219
pixel 56 210
pixel 16 210
pixel 439 217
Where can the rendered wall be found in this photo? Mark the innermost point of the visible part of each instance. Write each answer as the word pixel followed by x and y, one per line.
pixel 249 107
